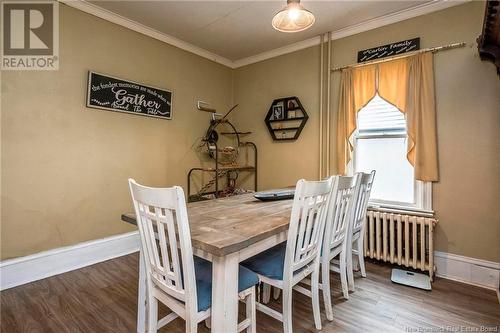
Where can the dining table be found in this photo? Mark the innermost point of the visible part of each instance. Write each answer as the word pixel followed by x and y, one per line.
pixel 225 231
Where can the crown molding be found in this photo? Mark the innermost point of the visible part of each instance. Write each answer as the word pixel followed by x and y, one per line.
pixel 277 52
pixel 405 14
pixel 354 29
pixel 107 15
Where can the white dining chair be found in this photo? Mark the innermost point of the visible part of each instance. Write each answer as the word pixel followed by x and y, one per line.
pixel 175 277
pixel 336 238
pixel 288 263
pixel 358 227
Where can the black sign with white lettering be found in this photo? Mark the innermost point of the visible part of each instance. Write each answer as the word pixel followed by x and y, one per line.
pixel 113 94
pixel 389 50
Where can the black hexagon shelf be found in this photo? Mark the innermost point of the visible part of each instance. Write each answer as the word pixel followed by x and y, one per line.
pixel 286 118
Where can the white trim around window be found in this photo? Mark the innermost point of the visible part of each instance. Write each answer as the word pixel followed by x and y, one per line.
pixel 422 205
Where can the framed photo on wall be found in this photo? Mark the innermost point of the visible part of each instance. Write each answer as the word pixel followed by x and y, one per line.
pixel 278 111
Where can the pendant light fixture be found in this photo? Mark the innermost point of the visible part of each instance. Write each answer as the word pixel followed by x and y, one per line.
pixel 293 18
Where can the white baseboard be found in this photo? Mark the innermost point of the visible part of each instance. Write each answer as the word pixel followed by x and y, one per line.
pixel 473 271
pixel 18 271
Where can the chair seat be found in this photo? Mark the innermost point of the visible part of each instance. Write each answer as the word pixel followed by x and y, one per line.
pixel 269 263
pixel 203 272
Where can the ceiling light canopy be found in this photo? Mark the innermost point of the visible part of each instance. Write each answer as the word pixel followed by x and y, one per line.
pixel 293 18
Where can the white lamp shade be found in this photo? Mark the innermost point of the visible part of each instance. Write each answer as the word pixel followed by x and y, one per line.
pixel 293 18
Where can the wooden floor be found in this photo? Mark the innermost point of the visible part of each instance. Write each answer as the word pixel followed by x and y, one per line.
pixel 102 298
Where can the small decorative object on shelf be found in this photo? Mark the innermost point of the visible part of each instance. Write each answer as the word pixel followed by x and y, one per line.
pixel 286 118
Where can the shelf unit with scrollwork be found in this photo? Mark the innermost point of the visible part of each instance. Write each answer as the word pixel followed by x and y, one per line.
pixel 230 168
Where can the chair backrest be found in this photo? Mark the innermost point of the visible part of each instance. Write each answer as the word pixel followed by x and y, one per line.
pixel 307 222
pixel 164 229
pixel 365 188
pixel 340 212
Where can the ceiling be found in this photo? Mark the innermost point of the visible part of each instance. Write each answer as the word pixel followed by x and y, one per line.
pixel 239 29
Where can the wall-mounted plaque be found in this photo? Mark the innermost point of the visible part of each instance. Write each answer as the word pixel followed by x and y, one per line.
pixel 389 50
pixel 113 94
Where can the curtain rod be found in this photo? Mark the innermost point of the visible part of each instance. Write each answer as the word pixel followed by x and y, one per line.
pixel 430 49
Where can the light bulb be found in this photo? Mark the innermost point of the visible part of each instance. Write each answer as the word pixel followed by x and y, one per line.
pixel 294 14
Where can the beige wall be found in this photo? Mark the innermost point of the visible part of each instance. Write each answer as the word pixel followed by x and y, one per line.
pixel 65 166
pixel 255 87
pixel 468 108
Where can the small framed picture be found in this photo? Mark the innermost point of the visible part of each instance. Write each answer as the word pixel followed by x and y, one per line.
pixel 278 112
pixel 291 104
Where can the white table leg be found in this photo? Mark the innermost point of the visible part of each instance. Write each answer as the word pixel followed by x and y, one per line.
pixel 225 293
pixel 141 299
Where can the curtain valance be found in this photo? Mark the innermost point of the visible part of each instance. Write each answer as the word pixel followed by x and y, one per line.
pixel 408 84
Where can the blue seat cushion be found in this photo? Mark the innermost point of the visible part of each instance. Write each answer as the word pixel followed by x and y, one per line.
pixel 203 272
pixel 269 263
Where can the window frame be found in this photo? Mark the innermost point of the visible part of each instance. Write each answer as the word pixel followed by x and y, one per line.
pixel 422 190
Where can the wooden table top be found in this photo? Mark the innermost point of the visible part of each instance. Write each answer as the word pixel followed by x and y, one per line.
pixel 227 225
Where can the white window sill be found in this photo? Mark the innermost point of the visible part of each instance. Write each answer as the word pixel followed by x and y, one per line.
pixel 398 209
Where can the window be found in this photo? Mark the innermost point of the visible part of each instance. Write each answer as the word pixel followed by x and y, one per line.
pixel 380 144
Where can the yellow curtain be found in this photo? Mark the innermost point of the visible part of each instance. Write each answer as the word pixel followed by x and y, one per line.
pixel 408 84
pixel 421 117
pixel 357 88
pixel 393 82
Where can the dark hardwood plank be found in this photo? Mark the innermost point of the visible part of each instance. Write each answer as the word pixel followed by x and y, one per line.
pixel 103 298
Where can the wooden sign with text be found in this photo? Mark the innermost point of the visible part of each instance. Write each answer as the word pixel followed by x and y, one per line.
pixel 113 94
pixel 389 50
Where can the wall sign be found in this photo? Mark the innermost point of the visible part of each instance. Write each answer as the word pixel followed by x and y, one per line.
pixel 113 94
pixel 389 50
